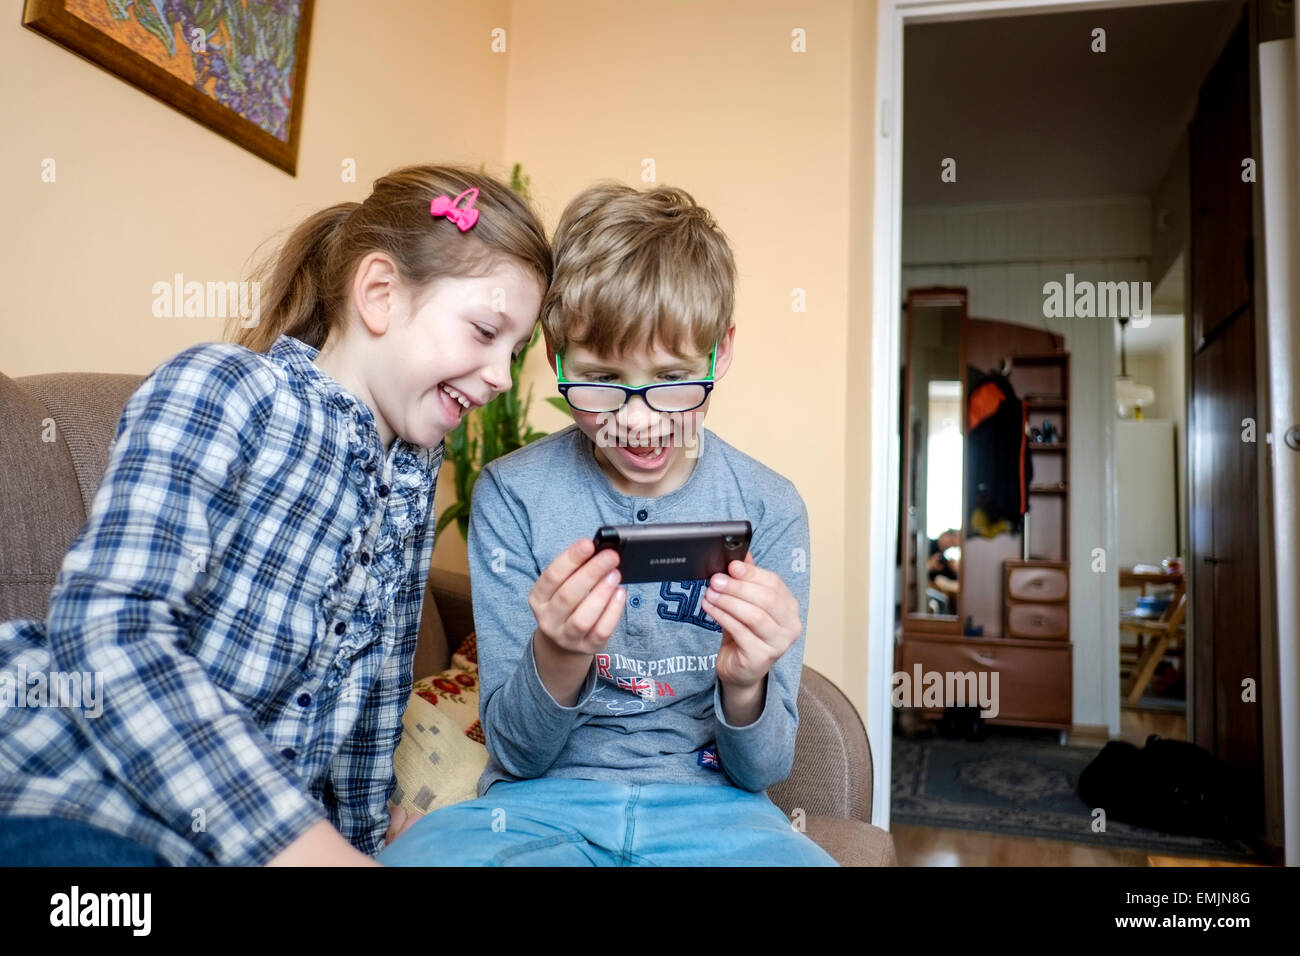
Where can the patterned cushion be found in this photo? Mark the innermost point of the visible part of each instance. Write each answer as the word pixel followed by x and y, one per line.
pixel 442 754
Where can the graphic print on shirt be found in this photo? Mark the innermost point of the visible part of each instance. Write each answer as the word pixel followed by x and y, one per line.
pixel 616 705
pixel 643 687
pixel 643 682
pixel 646 687
pixel 685 598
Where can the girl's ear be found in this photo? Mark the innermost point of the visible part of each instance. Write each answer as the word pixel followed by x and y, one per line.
pixel 376 291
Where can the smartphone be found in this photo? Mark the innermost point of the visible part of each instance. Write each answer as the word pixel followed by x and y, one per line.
pixel 686 551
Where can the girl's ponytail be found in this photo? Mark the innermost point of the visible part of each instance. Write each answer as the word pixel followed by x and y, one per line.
pixel 295 283
pixel 305 287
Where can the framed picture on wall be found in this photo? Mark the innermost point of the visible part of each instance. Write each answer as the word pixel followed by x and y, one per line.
pixel 235 66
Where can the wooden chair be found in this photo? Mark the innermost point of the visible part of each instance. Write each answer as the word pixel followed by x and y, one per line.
pixel 1164 634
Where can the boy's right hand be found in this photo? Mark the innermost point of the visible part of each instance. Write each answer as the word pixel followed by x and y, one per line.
pixel 577 603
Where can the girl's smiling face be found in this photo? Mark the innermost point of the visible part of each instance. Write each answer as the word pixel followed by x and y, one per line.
pixel 645 453
pixel 454 352
pixel 420 359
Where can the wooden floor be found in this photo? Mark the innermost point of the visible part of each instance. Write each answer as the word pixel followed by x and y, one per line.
pixel 1135 726
pixel 932 846
pixel 929 846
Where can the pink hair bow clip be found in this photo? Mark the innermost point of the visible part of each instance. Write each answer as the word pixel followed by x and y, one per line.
pixel 463 216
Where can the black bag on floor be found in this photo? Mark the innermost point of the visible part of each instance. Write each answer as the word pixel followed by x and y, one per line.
pixel 1171 786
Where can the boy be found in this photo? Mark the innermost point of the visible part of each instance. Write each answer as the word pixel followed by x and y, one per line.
pixel 637 724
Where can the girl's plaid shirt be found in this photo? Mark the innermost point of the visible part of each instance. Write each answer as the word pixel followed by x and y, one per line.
pixel 247 594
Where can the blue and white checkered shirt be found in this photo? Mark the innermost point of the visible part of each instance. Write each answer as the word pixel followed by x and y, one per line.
pixel 246 597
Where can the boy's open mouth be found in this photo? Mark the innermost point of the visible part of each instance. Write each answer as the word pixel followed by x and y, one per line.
pixel 647 456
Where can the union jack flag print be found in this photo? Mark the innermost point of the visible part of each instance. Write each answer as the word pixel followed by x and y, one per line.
pixel 643 688
pixel 709 758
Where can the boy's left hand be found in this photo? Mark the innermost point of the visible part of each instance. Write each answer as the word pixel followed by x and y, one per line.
pixel 759 618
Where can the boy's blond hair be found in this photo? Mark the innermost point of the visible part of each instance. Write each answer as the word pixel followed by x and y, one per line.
pixel 636 269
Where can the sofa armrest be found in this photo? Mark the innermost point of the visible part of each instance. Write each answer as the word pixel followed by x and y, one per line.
pixel 852 842
pixel 832 773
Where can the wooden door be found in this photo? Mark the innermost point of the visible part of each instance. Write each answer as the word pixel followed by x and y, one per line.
pixel 1224 560
pixel 1222 253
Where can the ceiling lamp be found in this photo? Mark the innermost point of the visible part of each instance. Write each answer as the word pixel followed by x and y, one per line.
pixel 1128 393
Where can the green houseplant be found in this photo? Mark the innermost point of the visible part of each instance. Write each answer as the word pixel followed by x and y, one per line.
pixel 498 428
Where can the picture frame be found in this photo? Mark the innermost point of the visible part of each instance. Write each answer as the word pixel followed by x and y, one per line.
pixel 236 67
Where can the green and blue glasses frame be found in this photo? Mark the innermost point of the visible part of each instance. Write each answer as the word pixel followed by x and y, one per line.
pixel 661 396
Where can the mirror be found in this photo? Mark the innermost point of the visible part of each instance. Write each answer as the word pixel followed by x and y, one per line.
pixel 934 455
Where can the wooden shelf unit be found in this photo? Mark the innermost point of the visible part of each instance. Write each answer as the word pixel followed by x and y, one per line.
pixel 1034 672
pixel 1035 592
pixel 1047 374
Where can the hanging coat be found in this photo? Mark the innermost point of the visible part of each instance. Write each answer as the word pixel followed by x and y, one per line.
pixel 998 465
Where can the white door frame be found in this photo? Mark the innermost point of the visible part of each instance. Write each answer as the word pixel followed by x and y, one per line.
pixel 1279 72
pixel 891 16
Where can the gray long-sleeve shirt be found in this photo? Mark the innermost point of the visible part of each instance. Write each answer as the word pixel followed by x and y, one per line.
pixel 649 710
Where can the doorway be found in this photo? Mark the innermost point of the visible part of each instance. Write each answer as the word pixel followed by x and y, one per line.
pixel 898 249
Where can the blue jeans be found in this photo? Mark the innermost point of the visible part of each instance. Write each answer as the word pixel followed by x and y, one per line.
pixel 552 821
pixel 53 841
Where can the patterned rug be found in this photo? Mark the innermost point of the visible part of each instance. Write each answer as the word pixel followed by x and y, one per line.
pixel 1019 783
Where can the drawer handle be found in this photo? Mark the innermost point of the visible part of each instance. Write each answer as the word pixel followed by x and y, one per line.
pixel 982 659
pixel 1038 620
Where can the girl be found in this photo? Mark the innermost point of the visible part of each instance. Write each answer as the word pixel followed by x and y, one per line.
pixel 248 587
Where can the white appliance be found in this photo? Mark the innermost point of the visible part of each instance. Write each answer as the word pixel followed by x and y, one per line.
pixel 1147 491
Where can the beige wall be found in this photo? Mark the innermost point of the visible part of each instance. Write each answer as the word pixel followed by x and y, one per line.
pixel 713 94
pixel 859 522
pixel 776 143
pixel 143 192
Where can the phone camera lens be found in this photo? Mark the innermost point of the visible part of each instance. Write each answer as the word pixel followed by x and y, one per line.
pixel 731 542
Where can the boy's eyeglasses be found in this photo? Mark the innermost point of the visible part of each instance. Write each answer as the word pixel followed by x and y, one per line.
pixel 662 396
